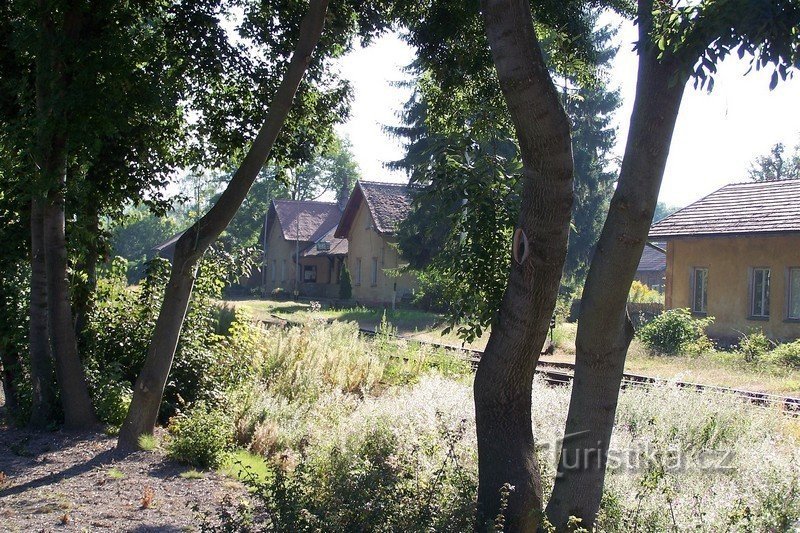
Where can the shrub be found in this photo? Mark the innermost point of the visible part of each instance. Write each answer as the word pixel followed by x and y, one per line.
pixel 641 293
pixel 111 401
pixel 345 284
pixel 676 331
pixel 201 437
pixel 754 346
pixel 788 354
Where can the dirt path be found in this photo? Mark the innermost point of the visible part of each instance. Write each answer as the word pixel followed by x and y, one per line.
pixel 73 482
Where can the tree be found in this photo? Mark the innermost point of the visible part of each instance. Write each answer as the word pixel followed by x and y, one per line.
pixel 345 287
pixel 675 43
pixel 663 210
pixel 502 388
pixel 466 166
pixel 775 166
pixel 149 387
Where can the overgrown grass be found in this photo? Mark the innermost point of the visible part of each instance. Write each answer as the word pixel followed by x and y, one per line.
pixel 242 463
pixel 354 433
pixel 147 443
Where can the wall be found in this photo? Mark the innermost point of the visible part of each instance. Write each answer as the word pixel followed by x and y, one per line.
pixel 365 243
pixel 729 260
pixel 279 250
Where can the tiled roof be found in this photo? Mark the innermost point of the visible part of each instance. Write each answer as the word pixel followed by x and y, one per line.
pixel 305 220
pixel 738 208
pixel 335 246
pixel 654 258
pixel 389 204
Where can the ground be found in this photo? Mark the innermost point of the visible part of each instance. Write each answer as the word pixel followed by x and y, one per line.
pixel 76 482
pixel 724 369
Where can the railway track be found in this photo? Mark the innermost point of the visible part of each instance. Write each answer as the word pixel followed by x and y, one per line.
pixel 561 373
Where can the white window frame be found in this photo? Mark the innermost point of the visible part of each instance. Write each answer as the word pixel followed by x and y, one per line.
pixel 374 272
pixel 704 300
pixel 792 295
pixel 358 271
pixel 763 297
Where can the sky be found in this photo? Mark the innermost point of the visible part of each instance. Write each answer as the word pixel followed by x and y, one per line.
pixel 716 138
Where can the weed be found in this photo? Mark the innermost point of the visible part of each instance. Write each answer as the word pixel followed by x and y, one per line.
pixel 192 474
pixel 147 443
pixel 115 474
pixel 147 498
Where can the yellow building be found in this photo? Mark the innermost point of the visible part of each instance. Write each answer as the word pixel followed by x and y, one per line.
pixel 301 254
pixel 369 223
pixel 735 255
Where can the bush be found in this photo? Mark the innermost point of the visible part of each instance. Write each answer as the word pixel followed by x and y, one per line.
pixel 345 284
pixel 641 293
pixel 201 437
pixel 788 354
pixel 111 401
pixel 754 346
pixel 676 331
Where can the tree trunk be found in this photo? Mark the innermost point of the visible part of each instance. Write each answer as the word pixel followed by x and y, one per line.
pixel 502 388
pixel 604 330
pixel 40 358
pixel 78 410
pixel 150 384
pixel 51 96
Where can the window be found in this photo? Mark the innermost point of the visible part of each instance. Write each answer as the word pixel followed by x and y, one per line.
pixel 374 271
pixel 700 290
pixel 358 271
pixel 793 298
pixel 309 273
pixel 759 296
pixel 283 270
pixel 274 270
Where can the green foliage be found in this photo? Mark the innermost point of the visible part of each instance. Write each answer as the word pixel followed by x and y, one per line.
pixel 212 352
pixel 111 400
pixel 14 315
pixel 461 150
pixel 676 331
pixel 345 284
pixel 754 346
pixel 641 293
pixel 200 437
pixel 788 354
pixel 775 166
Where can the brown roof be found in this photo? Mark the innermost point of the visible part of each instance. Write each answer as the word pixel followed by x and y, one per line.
pixel 303 220
pixel 736 209
pixel 654 258
pixel 388 203
pixel 334 247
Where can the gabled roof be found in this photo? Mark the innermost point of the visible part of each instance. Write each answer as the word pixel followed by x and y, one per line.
pixel 388 203
pixel 302 220
pixel 737 209
pixel 654 258
pixel 334 247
